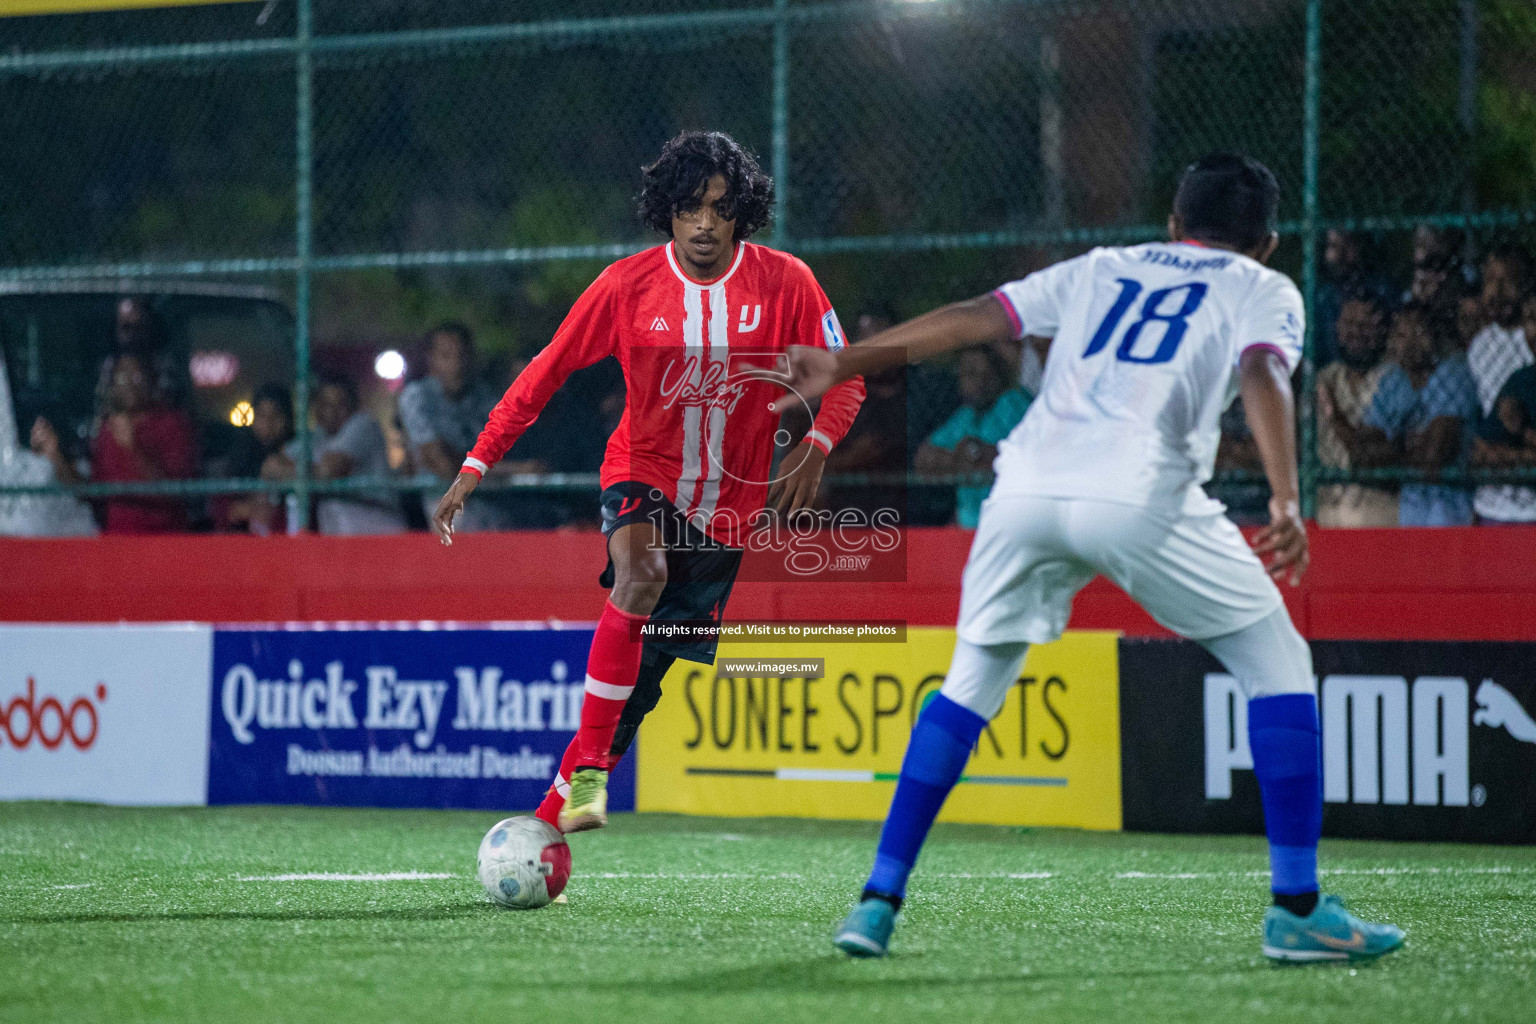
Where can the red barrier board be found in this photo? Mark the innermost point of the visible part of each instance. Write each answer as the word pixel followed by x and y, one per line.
pixel 1477 583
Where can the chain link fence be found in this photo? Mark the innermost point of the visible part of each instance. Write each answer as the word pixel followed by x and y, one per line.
pixel 329 179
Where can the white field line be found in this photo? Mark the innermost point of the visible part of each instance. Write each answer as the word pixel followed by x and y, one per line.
pixel 329 876
pixel 1327 871
pixel 1015 875
pixel 684 876
pixel 797 877
pixel 1426 871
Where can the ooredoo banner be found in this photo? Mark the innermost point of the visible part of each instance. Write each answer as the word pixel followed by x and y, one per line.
pixel 397 718
pixel 109 714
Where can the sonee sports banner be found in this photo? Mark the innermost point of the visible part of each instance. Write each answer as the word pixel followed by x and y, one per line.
pixel 1422 741
pixel 829 744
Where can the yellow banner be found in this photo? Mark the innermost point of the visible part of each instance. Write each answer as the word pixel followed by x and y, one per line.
pixel 16 8
pixel 832 747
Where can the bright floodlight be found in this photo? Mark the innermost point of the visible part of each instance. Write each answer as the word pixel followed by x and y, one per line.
pixel 390 365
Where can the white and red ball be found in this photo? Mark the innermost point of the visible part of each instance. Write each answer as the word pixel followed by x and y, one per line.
pixel 524 863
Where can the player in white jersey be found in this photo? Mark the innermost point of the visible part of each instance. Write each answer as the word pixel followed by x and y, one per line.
pixel 1104 476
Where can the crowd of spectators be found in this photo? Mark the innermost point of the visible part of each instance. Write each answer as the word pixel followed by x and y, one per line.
pixel 143 432
pixel 1429 376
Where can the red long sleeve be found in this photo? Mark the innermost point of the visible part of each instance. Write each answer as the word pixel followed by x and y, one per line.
pixel 819 326
pixel 839 408
pixel 587 335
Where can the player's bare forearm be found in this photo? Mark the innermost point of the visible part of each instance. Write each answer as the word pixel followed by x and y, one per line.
pixel 1271 411
pixel 958 325
pixel 813 371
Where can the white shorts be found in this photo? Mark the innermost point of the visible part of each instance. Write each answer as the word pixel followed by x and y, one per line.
pixel 1194 574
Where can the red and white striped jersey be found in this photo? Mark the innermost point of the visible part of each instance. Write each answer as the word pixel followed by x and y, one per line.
pixel 696 426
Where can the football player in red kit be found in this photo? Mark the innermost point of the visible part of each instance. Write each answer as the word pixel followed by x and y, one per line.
pixel 686 472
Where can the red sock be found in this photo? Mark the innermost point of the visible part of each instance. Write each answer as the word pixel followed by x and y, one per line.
pixel 613 665
pixel 554 800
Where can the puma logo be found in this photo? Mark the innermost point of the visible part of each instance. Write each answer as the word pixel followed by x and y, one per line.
pixel 1497 707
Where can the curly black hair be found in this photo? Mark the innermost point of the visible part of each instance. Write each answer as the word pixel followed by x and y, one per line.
pixel 679 176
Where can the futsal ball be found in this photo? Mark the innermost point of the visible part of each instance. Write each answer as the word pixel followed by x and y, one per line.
pixel 524 863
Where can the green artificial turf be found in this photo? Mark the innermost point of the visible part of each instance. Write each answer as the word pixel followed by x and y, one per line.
pixel 116 914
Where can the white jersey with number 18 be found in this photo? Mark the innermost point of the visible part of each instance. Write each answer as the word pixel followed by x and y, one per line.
pixel 1146 342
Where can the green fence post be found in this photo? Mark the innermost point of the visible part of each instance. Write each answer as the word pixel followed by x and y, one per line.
pixel 1466 102
pixel 303 249
pixel 1309 145
pixel 780 157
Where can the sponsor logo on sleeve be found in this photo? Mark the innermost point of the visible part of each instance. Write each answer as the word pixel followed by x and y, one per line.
pixel 832 331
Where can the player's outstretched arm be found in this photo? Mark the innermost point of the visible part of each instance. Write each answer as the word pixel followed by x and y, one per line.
pixel 1271 411
pixel 585 336
pixel 812 371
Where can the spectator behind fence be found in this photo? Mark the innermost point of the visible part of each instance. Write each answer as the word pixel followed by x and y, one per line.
pixel 442 414
pixel 37 515
pixel 877 441
pixel 347 442
pixel 1437 289
pixel 1247 503
pixel 1345 390
pixel 1495 354
pixel 1507 437
pixel 1469 319
pixel 271 429
pixel 1440 276
pixel 1347 269
pixel 138 439
pixel 1421 417
pixel 138 330
pixel 991 406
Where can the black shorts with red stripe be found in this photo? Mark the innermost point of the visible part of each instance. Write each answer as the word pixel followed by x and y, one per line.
pixel 700 571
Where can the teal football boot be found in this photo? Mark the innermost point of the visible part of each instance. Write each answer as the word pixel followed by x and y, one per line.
pixel 866 931
pixel 1330 932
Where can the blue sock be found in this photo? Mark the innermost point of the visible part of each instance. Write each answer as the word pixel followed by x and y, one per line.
pixel 1286 743
pixel 936 754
